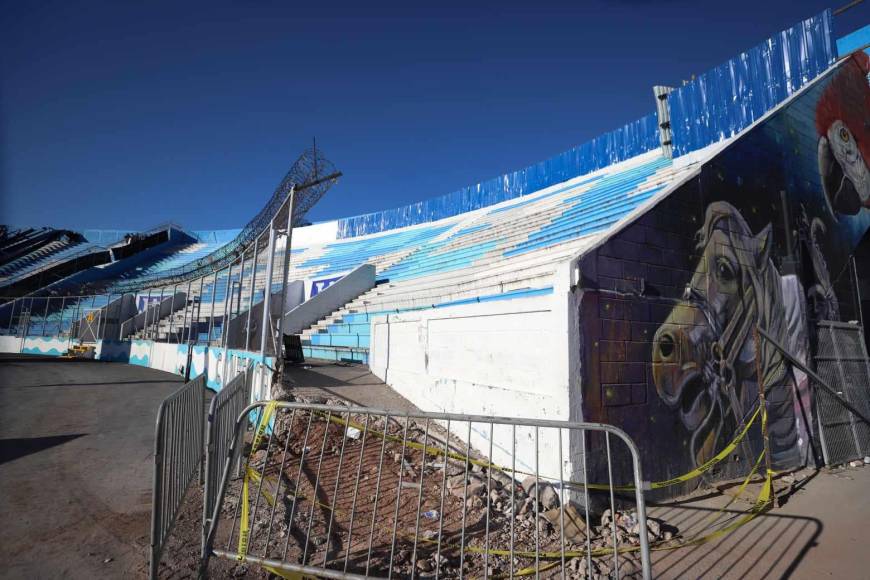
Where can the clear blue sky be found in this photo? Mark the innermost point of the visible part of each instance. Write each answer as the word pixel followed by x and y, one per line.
pixel 125 114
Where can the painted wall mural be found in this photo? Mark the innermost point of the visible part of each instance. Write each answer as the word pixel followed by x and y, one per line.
pixel 843 155
pixel 762 235
pixel 705 360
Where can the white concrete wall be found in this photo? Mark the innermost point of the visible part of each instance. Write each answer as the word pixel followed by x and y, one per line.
pixel 360 280
pixel 10 344
pixel 508 358
pixel 321 233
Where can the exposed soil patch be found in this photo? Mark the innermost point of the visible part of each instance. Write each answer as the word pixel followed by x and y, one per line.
pixel 366 498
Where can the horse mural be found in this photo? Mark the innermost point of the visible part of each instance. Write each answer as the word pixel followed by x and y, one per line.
pixel 704 354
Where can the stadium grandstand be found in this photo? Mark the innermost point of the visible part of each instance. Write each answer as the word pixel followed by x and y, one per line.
pixel 624 281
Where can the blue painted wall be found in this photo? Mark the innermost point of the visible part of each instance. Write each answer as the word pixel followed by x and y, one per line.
pixel 854 41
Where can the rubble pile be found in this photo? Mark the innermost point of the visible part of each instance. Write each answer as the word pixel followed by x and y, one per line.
pixel 379 505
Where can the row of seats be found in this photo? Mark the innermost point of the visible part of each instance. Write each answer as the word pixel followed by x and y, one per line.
pixel 173 258
pixel 347 337
pixel 507 252
pixel 47 256
pixel 18 241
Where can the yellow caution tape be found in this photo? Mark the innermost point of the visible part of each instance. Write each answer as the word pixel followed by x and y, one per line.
pixel 244 523
pixel 762 502
pixel 698 471
pixel 244 528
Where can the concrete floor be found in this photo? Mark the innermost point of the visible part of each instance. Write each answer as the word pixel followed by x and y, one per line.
pixel 76 453
pixel 820 532
pixel 352 382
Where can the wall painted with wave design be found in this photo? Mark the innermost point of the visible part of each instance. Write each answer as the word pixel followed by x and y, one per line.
pixel 45 345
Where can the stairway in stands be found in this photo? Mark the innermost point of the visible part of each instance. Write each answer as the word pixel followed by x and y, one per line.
pixel 344 335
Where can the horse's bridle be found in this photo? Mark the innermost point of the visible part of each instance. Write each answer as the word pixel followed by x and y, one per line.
pixel 725 346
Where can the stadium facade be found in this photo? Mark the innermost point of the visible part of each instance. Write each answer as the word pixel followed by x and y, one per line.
pixel 624 281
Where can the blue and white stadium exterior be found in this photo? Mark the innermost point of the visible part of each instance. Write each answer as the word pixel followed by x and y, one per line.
pixel 471 302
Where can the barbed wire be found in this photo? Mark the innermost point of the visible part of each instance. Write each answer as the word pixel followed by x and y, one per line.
pixel 312 174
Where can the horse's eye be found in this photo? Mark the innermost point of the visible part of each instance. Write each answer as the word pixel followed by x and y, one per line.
pixel 724 270
pixel 844 134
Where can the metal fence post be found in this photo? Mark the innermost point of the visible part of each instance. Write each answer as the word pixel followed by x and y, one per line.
pixel 156 322
pixel 29 317
pixel 45 316
pixel 251 297
pixel 225 326
pixel 12 317
pixel 147 310
pixel 198 309
pixel 188 306
pixel 157 494
pixel 211 312
pixel 171 313
pixel 60 322
pixel 285 275
pixel 238 300
pixel 267 304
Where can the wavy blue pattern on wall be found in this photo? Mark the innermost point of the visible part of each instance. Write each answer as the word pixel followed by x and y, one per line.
pixel 46 346
pixel 624 143
pixel 198 361
pixel 140 353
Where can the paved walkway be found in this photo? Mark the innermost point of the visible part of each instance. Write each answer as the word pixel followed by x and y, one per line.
pixel 820 532
pixel 76 445
pixel 352 382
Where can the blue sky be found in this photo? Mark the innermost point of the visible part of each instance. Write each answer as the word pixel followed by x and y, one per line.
pixel 126 114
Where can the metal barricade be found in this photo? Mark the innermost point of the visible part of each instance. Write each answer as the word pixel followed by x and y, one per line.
pixel 222 413
pixel 350 492
pixel 841 390
pixel 843 362
pixel 177 458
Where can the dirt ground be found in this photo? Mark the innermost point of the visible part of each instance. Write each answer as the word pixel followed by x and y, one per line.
pixel 820 532
pixel 363 504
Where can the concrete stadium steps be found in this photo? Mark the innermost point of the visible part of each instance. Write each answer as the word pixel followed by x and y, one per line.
pixel 51 254
pixel 501 250
pixel 181 323
pixel 504 253
pixel 513 231
pixel 345 335
pixel 493 251
pixel 337 354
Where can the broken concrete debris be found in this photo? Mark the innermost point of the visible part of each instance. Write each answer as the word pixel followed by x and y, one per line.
pixel 425 513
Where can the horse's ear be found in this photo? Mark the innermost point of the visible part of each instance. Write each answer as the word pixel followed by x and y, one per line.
pixel 763 243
